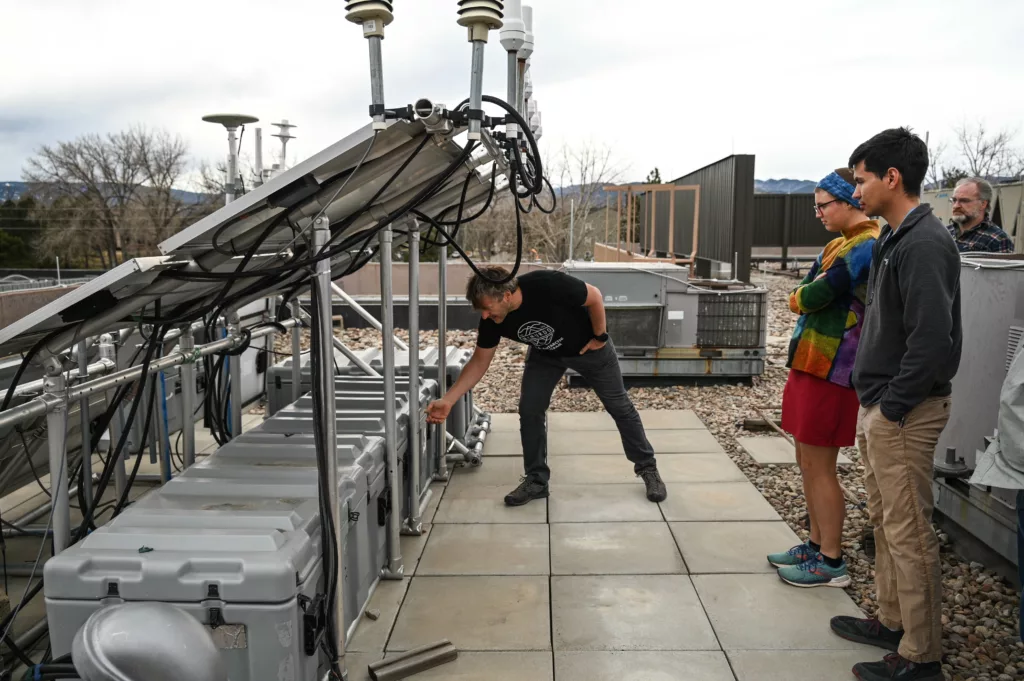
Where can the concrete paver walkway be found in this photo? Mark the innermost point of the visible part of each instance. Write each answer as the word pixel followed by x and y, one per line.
pixel 599 584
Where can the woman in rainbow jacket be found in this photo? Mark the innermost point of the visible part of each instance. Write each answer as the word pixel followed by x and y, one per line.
pixel 819 404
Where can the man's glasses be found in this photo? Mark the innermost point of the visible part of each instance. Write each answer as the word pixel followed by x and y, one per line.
pixel 963 202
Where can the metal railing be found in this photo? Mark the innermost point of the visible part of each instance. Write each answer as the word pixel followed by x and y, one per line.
pixel 7 284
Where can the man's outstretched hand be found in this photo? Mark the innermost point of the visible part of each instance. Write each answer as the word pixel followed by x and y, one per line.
pixel 438 410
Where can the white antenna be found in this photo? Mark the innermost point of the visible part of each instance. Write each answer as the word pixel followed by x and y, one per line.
pixel 513 37
pixel 231 122
pixel 284 134
pixel 373 16
pixel 525 52
pixel 259 156
pixel 479 17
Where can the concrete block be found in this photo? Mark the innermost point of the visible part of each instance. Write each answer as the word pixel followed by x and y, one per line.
pixel 736 547
pixel 629 612
pixel 475 614
pixel 716 501
pixel 487 550
pixel 761 612
pixel 614 549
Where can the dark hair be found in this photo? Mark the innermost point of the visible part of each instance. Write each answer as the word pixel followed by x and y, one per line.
pixel 480 287
pixel 845 173
pixel 897 148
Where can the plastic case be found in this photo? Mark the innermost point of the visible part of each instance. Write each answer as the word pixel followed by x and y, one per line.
pixel 240 555
pixel 369 454
pixel 279 383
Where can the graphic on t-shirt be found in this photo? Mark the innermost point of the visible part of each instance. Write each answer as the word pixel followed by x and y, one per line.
pixel 539 335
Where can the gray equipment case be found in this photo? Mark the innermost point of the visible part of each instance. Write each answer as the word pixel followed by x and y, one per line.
pixel 236 545
pixel 279 383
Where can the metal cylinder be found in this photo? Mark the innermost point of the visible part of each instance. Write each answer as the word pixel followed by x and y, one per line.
pixel 163 449
pixel 188 395
pixel 83 410
pixel 512 129
pixel 259 158
pixel 376 80
pixel 441 469
pixel 235 364
pixel 329 431
pixel 229 186
pixel 296 352
pixel 395 568
pixel 109 351
pixel 414 525
pixel 355 359
pixel 365 314
pixel 412 662
pixel 476 87
pixel 56 434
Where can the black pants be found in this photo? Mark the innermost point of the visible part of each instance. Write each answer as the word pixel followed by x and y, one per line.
pixel 600 369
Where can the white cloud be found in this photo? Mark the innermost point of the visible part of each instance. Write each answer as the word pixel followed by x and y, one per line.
pixel 662 82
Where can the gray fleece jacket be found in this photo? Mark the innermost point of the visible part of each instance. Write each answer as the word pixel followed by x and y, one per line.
pixel 911 339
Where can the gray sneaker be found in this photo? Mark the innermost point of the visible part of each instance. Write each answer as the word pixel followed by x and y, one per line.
pixel 527 491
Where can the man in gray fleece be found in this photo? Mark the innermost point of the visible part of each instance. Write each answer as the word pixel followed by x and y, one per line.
pixel 908 355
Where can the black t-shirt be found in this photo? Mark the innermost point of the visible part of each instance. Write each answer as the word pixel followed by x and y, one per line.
pixel 551 319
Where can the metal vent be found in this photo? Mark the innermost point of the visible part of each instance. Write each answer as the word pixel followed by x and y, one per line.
pixel 1013 344
pixel 634 327
pixel 734 320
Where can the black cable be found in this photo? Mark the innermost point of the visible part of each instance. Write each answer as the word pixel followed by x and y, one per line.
pixel 554 199
pixel 22 656
pixel 33 351
pixel 116 454
pixel 28 457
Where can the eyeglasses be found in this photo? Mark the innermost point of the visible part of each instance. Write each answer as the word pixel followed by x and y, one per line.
pixel 954 200
pixel 819 208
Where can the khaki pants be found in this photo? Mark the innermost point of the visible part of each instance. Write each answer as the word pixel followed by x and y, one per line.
pixel 898 478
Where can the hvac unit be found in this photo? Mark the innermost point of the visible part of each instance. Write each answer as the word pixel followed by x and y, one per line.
pixel 992 317
pixel 665 325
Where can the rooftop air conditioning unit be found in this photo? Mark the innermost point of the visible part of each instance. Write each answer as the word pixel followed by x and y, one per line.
pixel 665 325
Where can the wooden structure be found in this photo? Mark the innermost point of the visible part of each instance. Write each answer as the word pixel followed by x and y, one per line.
pixel 649 194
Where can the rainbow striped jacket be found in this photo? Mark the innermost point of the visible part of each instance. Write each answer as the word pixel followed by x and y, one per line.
pixel 830 302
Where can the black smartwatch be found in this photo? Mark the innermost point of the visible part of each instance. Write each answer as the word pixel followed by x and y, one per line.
pixel 603 337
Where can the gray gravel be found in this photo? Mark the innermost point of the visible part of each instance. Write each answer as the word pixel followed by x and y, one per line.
pixel 979 612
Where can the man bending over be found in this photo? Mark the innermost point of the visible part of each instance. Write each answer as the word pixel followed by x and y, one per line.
pixel 562 320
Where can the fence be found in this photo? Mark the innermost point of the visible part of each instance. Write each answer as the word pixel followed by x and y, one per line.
pixel 726 218
pixel 784 221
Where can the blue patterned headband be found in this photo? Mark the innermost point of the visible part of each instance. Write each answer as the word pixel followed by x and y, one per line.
pixel 835 185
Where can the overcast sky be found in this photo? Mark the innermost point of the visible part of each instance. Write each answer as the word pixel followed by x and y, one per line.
pixel 661 83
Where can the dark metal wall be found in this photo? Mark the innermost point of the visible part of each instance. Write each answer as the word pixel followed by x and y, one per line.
pixel 784 220
pixel 726 221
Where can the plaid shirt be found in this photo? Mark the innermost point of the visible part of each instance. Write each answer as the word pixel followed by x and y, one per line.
pixel 984 237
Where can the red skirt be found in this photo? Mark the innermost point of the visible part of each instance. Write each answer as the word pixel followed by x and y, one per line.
pixel 818 412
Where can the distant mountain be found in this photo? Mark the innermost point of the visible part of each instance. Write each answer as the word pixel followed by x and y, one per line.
pixel 784 186
pixel 12 191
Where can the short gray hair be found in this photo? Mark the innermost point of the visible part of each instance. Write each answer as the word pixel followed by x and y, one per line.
pixel 480 287
pixel 984 188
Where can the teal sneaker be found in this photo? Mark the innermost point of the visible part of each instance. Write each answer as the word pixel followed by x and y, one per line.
pixel 796 555
pixel 815 572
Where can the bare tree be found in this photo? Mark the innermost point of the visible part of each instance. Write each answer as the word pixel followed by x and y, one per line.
pixel 935 157
pixel 989 154
pixel 112 195
pixel 580 173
